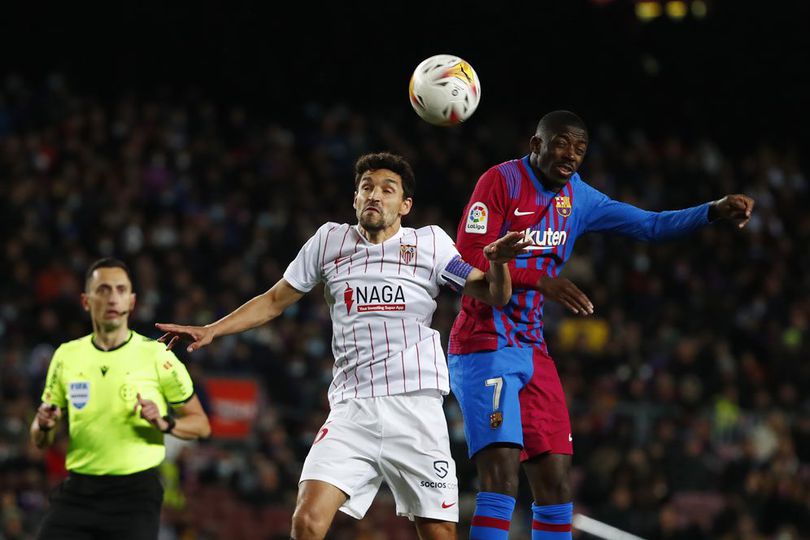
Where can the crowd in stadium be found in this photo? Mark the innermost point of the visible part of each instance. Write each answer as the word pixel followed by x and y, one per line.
pixel 687 388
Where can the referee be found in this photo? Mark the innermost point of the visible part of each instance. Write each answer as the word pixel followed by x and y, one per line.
pixel 116 387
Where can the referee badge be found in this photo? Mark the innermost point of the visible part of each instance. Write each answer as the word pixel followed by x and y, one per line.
pixel 79 393
pixel 496 419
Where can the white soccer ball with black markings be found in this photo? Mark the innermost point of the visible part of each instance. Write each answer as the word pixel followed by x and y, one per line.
pixel 444 90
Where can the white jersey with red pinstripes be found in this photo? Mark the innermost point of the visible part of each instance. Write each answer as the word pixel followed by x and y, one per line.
pixel 381 298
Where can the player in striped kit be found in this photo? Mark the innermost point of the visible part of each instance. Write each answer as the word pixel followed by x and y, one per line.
pixel 501 372
pixel 390 374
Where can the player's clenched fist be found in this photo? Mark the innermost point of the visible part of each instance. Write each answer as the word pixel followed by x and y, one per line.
pixel 735 208
pixel 47 416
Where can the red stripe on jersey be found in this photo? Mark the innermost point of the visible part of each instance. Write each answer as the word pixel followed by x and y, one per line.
pixel 356 379
pixel 382 257
pixel 418 359
pixel 416 255
pixel 365 269
pixel 351 259
pixel 345 371
pixel 491 522
pixel 326 243
pixel 340 251
pixel 405 337
pixel 435 364
pixel 371 363
pixel 387 354
pixel 432 266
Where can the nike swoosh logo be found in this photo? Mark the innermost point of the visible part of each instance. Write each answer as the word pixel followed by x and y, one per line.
pixel 519 213
pixel 445 505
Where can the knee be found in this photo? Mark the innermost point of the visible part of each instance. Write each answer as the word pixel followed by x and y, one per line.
pixel 308 526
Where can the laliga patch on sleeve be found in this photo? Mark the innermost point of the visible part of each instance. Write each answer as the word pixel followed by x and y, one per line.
pixel 477 219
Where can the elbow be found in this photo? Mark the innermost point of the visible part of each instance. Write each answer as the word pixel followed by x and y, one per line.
pixel 501 298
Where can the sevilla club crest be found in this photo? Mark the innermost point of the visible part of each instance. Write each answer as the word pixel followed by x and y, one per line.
pixel 407 252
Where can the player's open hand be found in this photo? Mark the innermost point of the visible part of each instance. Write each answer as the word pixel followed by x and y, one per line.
pixel 199 336
pixel 150 412
pixel 47 416
pixel 735 208
pixel 506 248
pixel 566 293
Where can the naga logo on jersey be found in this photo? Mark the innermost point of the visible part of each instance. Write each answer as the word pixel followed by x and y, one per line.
pixel 407 252
pixel 563 205
pixel 79 393
pixel 348 298
pixel 547 239
pixel 374 298
pixel 477 219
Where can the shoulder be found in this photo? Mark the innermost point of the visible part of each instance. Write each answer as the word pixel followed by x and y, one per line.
pixel 581 187
pixel 152 347
pixel 434 231
pixel 76 346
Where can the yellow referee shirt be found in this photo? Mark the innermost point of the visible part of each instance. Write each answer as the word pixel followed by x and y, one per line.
pixel 97 389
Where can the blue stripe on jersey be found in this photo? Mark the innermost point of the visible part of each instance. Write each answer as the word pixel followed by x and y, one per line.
pixel 510 172
pixel 497 319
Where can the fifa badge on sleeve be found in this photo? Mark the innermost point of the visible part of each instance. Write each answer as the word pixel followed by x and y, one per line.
pixel 496 419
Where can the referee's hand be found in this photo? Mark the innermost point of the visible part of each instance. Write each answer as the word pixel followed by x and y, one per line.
pixel 47 416
pixel 150 412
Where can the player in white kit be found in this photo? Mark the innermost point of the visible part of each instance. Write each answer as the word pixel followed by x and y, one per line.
pixel 390 373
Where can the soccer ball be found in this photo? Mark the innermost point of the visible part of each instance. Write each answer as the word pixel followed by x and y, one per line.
pixel 444 90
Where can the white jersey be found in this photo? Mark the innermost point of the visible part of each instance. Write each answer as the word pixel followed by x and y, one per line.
pixel 381 298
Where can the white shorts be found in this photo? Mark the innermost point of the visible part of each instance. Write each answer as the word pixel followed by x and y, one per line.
pixel 401 439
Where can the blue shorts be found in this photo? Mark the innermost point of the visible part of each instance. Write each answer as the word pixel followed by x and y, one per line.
pixel 486 385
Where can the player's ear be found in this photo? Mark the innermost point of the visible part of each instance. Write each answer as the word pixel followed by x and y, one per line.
pixel 354 200
pixel 405 206
pixel 132 299
pixel 85 302
pixel 535 143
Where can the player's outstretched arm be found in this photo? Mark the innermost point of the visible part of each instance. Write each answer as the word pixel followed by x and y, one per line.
pixel 255 312
pixel 495 286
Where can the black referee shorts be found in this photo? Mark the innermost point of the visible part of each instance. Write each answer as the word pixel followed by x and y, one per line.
pixel 105 508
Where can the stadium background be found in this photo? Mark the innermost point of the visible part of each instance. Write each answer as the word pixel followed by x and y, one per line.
pixel 205 144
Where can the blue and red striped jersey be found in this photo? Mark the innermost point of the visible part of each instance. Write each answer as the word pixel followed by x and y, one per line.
pixel 509 197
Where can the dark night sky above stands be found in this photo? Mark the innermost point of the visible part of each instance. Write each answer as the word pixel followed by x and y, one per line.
pixel 744 67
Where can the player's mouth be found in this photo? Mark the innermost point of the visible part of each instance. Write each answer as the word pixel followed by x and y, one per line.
pixel 111 313
pixel 565 169
pixel 372 209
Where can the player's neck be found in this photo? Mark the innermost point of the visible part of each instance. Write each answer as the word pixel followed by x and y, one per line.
pixel 381 235
pixel 107 340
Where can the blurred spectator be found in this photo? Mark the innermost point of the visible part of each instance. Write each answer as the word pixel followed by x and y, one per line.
pixel 687 389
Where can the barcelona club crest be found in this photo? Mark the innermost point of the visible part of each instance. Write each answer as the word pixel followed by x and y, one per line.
pixel 563 205
pixel 407 252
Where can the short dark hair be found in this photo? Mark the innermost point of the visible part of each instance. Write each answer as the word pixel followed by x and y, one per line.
pixel 386 160
pixel 107 262
pixel 556 121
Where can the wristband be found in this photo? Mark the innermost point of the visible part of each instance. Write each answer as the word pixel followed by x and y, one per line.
pixel 171 421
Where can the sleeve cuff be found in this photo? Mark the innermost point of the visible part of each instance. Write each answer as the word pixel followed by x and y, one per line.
pixel 182 402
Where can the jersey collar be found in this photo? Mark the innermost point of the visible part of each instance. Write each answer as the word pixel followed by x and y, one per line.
pixel 131 333
pixel 365 240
